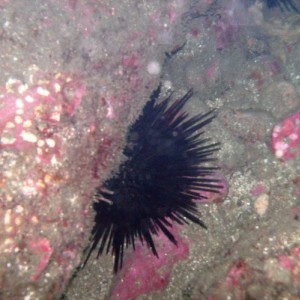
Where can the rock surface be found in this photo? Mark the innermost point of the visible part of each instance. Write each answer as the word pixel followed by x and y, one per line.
pixel 76 74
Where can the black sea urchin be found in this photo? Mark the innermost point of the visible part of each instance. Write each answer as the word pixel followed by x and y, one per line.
pixel 283 4
pixel 165 169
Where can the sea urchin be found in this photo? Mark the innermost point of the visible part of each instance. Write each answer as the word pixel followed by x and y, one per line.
pixel 283 4
pixel 166 168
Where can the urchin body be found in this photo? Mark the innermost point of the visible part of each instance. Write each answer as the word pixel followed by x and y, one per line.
pixel 166 168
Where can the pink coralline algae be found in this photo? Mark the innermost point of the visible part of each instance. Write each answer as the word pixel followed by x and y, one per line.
pixel 291 262
pixel 211 197
pixel 237 274
pixel 32 136
pixel 247 281
pixel 58 140
pixel 42 248
pixel 30 119
pixel 227 27
pixel 28 114
pixel 225 33
pixel 144 273
pixel 286 138
pixel 258 189
pixel 238 277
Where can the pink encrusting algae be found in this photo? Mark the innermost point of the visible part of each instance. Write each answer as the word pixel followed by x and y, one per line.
pixel 29 114
pixel 61 131
pixel 52 127
pixel 211 197
pixel 31 119
pixel 228 25
pixel 32 135
pixel 286 137
pixel 42 248
pixel 258 189
pixel 291 262
pixel 144 273
pixel 237 274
